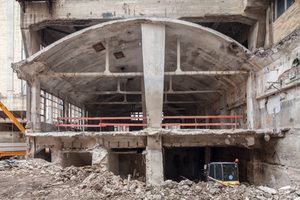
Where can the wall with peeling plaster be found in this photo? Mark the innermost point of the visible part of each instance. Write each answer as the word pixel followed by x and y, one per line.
pixel 278 94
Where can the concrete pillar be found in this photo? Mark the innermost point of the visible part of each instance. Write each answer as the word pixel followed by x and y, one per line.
pixel 56 152
pixel 143 100
pixel 10 55
pixel 253 114
pixel 30 147
pixel 153 42
pixel 224 110
pixel 28 105
pixel 154 161
pixel 100 158
pixel 31 39
pixel 252 37
pixel 35 105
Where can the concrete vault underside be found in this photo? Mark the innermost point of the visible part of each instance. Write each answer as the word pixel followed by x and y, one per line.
pixel 152 66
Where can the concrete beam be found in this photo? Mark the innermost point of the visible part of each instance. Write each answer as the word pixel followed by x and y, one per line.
pixel 134 74
pixel 132 102
pixel 139 92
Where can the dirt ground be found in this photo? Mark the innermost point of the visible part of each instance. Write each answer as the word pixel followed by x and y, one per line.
pixel 39 179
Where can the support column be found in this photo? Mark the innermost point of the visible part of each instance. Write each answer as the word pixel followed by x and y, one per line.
pixel 36 105
pixel 253 115
pixel 32 41
pixel 224 109
pixel 252 37
pixel 153 42
pixel 154 161
pixel 143 100
pixel 10 55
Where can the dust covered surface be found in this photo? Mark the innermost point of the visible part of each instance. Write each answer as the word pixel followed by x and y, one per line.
pixel 39 179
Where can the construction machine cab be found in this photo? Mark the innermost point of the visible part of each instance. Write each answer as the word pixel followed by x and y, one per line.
pixel 223 172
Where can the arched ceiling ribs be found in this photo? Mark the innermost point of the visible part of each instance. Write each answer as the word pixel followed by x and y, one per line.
pixel 207 59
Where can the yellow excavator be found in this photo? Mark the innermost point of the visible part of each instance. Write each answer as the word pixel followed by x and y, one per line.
pixel 226 173
pixel 17 123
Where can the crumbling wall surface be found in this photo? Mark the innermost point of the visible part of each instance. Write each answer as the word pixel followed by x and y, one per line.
pixel 278 94
pixel 100 156
pixel 278 91
pixel 277 164
pixel 107 10
pixel 287 22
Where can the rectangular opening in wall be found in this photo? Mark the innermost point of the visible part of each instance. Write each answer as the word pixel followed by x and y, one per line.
pixel 229 154
pixel 188 162
pixel 184 163
pixel 128 161
pixel 77 159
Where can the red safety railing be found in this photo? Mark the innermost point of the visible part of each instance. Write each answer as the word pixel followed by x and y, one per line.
pixel 105 124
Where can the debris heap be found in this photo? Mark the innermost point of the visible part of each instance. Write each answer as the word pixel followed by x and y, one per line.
pixel 38 179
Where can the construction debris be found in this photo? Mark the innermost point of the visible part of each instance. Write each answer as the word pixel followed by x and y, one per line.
pixel 38 179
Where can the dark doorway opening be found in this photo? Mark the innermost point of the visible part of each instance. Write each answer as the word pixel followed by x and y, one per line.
pixel 128 161
pixel 229 154
pixel 184 162
pixel 44 154
pixel 77 159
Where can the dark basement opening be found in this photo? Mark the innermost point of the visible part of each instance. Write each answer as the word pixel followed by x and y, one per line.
pixel 229 154
pixel 184 162
pixel 188 162
pixel 128 161
pixel 43 154
pixel 77 159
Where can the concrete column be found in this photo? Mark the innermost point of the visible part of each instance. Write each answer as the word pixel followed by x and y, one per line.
pixel 36 105
pixel 224 110
pixel 252 37
pixel 51 108
pixel 253 114
pixel 143 100
pixel 154 161
pixel 28 105
pixel 100 158
pixel 10 54
pixel 30 147
pixel 153 42
pixel 31 39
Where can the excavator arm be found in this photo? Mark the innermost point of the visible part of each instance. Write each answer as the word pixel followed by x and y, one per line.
pixel 17 123
pixel 10 115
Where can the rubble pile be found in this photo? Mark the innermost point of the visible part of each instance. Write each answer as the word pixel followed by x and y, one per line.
pixel 38 179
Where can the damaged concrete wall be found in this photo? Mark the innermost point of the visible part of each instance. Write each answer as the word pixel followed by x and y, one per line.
pixel 107 10
pixel 278 93
pixel 10 51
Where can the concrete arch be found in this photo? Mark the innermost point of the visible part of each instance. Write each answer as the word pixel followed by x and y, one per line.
pixel 201 49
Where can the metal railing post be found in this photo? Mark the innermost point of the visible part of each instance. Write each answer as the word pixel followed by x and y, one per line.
pixel 235 121
pixel 57 125
pixel 100 124
pixel 83 123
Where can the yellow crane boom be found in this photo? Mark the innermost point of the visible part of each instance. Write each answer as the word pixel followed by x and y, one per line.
pixel 17 123
pixel 10 115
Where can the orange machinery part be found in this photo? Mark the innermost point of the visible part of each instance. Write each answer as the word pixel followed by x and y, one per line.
pixel 12 153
